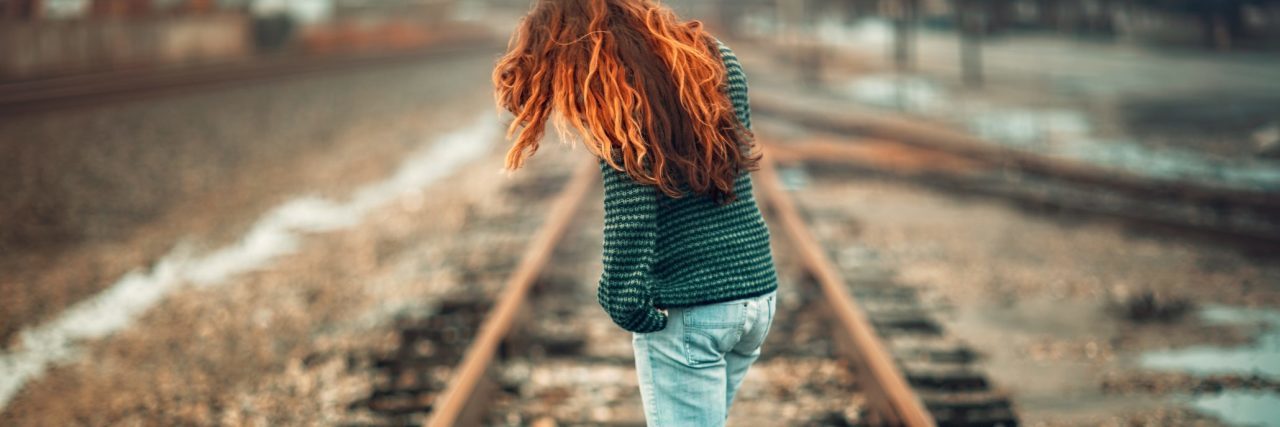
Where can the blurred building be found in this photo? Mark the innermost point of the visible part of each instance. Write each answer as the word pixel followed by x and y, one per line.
pixel 1219 24
pixel 48 37
pixel 43 37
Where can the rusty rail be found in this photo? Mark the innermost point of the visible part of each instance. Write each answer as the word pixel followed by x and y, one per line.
pixel 953 172
pixel 892 399
pixel 457 404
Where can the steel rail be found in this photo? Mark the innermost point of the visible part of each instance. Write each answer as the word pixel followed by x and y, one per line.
pixel 456 405
pixel 887 389
pixel 939 169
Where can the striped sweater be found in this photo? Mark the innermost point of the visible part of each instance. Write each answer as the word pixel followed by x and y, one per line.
pixel 662 252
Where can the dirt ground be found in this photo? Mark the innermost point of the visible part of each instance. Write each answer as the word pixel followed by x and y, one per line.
pixel 143 176
pixel 288 344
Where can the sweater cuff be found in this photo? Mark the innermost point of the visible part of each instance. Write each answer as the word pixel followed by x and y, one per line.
pixel 648 319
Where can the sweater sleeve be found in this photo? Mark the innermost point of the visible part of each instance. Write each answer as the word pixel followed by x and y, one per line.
pixel 736 86
pixel 630 229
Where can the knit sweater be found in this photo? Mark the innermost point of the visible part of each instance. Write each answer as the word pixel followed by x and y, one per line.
pixel 663 252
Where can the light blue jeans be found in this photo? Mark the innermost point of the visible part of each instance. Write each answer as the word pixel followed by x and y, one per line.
pixel 690 371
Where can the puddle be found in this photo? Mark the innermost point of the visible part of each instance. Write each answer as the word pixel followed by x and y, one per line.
pixel 902 93
pixel 1038 129
pixel 1262 357
pixel 276 233
pixel 793 178
pixel 1241 407
pixel 1172 163
pixel 869 31
pixel 1058 132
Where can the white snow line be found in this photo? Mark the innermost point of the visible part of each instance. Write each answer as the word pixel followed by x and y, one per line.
pixel 276 233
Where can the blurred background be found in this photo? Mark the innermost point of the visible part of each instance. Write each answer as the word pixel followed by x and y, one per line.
pixel 280 212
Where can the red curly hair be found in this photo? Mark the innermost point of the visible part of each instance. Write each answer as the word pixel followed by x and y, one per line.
pixel 644 90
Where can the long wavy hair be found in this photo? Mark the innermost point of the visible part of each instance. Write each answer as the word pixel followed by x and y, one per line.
pixel 644 90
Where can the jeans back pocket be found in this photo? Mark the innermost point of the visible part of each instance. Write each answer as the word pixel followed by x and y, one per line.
pixel 712 330
pixel 754 335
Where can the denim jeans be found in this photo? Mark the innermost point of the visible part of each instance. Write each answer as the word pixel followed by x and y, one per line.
pixel 689 371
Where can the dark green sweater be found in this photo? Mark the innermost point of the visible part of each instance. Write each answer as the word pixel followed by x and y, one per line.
pixel 664 252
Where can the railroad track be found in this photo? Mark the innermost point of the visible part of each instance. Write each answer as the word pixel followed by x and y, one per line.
pixel 956 162
pixel 82 90
pixel 454 367
pixel 914 374
pixel 940 370
pixel 439 354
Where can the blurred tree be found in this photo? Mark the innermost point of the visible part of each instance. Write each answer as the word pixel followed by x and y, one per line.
pixel 1221 21
pixel 905 14
pixel 199 6
pixel 1049 12
pixel 272 32
pixel 118 8
pixel 20 9
pixel 971 20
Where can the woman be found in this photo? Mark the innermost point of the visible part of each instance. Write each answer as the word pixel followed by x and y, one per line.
pixel 663 106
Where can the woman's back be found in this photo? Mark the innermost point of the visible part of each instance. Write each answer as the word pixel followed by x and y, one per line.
pixel 698 251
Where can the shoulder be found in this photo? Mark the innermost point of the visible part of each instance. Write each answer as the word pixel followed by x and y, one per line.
pixel 726 53
pixel 731 64
pixel 734 74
